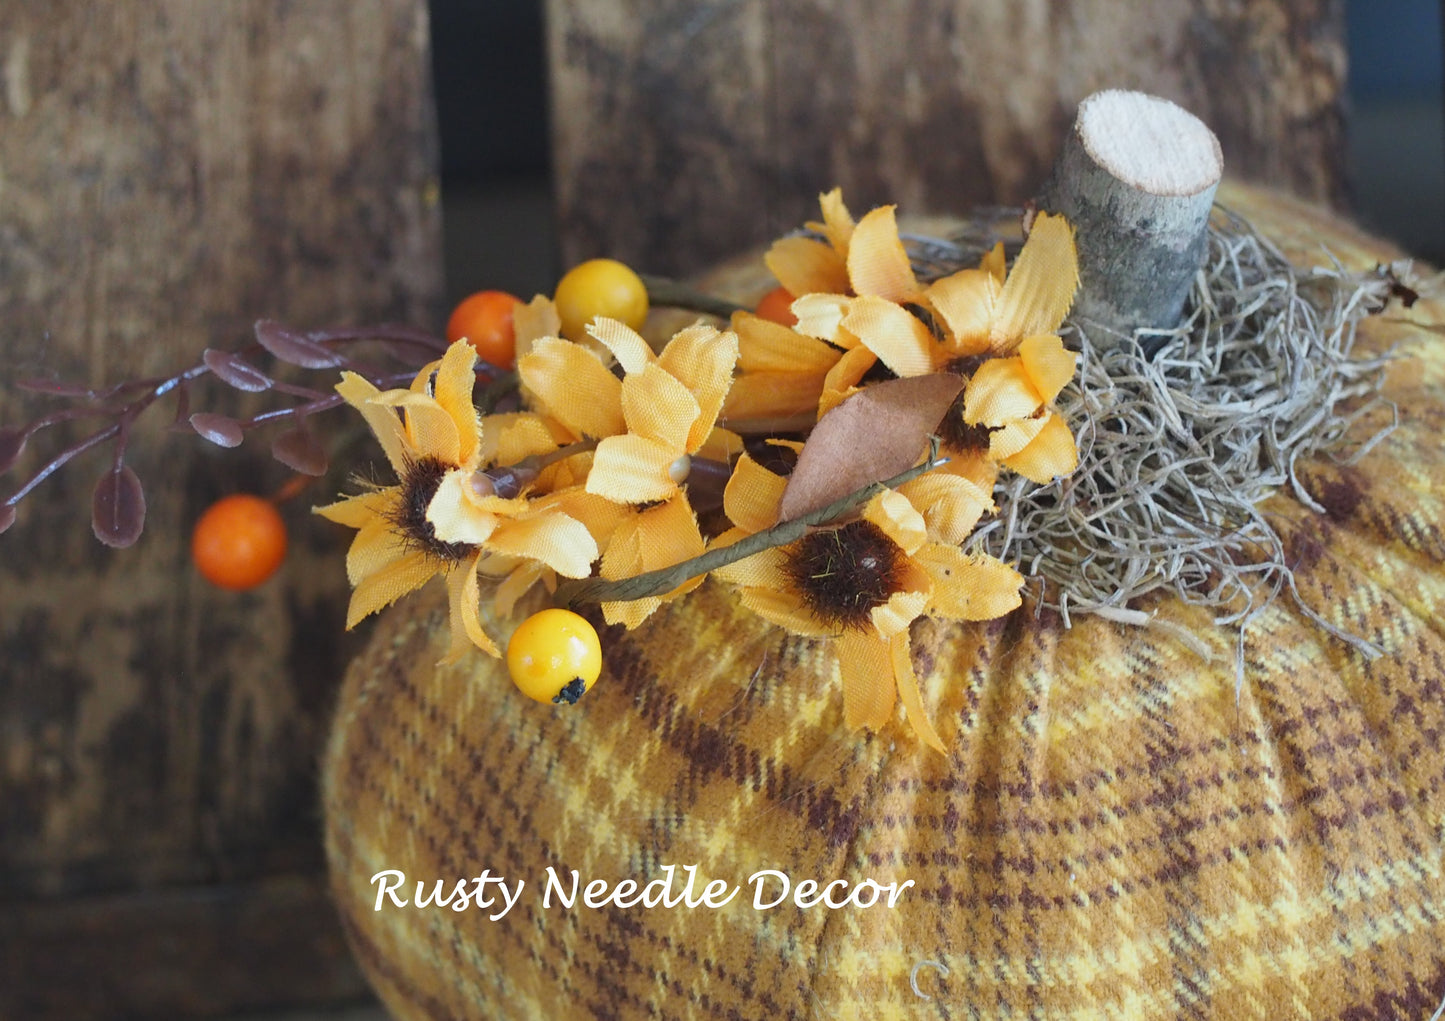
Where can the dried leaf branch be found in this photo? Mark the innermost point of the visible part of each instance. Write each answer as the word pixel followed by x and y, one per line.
pixel 118 501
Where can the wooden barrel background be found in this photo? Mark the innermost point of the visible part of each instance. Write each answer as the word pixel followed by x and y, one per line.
pixel 1111 834
pixel 686 132
pixel 170 172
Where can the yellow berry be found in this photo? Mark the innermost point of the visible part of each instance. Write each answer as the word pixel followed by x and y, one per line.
pixel 554 656
pixel 599 287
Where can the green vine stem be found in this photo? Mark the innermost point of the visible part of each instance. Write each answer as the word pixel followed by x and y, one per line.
pixel 662 291
pixel 665 579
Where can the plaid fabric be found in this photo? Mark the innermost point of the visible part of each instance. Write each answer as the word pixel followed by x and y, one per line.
pixel 1112 835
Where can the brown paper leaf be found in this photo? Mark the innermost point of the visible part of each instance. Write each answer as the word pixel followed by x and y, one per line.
pixel 295 347
pixel 118 508
pixel 236 372
pixel 872 436
pixel 222 430
pixel 300 450
pixel 12 444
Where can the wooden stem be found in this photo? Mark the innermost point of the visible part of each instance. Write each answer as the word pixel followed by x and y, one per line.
pixel 1136 178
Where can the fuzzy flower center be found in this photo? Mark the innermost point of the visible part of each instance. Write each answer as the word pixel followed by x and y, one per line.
pixel 419 483
pixel 843 573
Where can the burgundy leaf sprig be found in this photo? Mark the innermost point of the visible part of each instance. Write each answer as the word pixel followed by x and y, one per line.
pixel 118 501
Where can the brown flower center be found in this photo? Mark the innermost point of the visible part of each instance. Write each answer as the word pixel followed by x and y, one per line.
pixel 843 573
pixel 955 436
pixel 419 483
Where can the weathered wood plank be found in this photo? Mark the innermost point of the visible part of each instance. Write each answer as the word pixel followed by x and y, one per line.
pixel 687 130
pixel 171 171
pixel 201 952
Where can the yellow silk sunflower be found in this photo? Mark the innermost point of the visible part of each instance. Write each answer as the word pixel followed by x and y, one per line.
pixel 866 258
pixel 787 380
pixel 649 425
pixel 979 319
pixel 1013 399
pixel 444 514
pixel 861 584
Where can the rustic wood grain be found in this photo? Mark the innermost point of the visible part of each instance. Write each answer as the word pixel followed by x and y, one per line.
pixel 202 952
pixel 685 130
pixel 169 172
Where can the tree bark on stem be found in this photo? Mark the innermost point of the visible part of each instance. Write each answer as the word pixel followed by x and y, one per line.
pixel 1136 177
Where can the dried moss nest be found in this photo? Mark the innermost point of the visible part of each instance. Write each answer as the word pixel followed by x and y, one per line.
pixel 1184 433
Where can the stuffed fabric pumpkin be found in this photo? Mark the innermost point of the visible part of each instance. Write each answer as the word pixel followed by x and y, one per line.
pixel 1112 833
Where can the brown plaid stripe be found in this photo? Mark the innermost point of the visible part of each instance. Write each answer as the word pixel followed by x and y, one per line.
pixel 1113 835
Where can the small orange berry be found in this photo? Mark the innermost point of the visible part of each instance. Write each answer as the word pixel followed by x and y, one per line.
pixel 777 306
pixel 485 319
pixel 239 542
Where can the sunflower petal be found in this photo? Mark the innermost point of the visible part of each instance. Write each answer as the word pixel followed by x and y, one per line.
pixel 765 346
pixel 657 406
pixel 515 436
pixel 517 584
pixel 1040 287
pixel 632 469
pixel 993 262
pixel 574 387
pixel 821 315
pixel 752 495
pixel 967 302
pixel 966 587
pixel 1048 364
pixel 722 445
pixel 650 540
pixel 554 539
pixel 669 535
pixel 453 388
pixel 385 586
pixel 877 261
pixel 376 545
pixel 430 431
pixel 455 513
pixel 902 609
pixel 533 321
pixel 762 570
pixel 901 655
pixel 1051 453
pixel 837 225
pixel 1015 435
pixel 600 515
pixel 769 395
pixel 869 689
pixel 786 610
pixel 951 504
pixel 891 511
pixel 894 334
pixel 464 609
pixel 999 392
pixel 807 266
pixel 362 509
pixel 385 423
pixel 702 359
pixel 625 343
pixel 842 380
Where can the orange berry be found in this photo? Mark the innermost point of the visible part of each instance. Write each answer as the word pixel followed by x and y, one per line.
pixel 485 319
pixel 777 306
pixel 239 542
